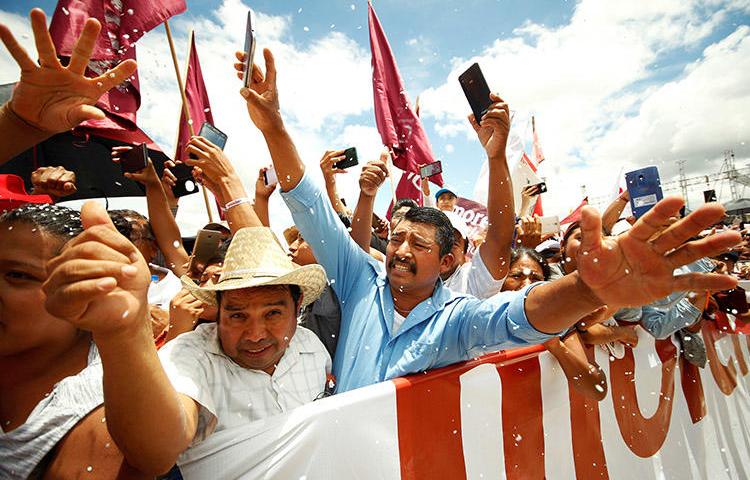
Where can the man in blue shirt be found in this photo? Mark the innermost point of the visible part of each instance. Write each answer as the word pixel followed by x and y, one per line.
pixel 398 318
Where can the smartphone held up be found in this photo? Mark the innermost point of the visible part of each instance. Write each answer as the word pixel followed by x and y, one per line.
pixel 249 49
pixel 476 90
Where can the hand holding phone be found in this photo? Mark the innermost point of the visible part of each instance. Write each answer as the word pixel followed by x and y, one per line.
pixel 270 177
pixel 134 159
pixel 206 246
pixel 350 159
pixel 476 90
pixel 431 169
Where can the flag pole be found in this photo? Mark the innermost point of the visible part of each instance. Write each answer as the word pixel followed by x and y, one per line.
pixel 185 108
pixel 389 165
pixel 179 117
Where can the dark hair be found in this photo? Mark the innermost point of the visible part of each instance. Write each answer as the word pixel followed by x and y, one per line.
pixel 401 203
pixel 61 222
pixel 126 220
pixel 518 252
pixel 443 227
pixel 294 290
pixel 569 231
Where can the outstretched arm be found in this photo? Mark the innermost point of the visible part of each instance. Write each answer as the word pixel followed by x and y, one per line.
pixel 493 135
pixel 50 98
pixel 613 211
pixel 162 221
pixel 634 268
pixel 99 283
pixel 262 193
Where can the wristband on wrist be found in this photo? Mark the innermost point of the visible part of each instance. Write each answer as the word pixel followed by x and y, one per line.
pixel 235 202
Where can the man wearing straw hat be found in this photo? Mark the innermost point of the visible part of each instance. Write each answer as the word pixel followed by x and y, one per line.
pixel 254 362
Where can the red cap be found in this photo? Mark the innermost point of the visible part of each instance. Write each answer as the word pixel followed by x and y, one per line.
pixel 13 193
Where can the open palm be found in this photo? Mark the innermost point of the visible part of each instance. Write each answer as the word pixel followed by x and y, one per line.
pixel 54 98
pixel 638 266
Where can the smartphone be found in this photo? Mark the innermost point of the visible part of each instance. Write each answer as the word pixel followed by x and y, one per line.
pixel 135 159
pixel 185 183
pixel 541 188
pixel 431 169
pixel 270 177
pixel 376 221
pixel 213 135
pixel 476 90
pixel 249 49
pixel 350 159
pixel 205 247
pixel 550 224
pixel 644 187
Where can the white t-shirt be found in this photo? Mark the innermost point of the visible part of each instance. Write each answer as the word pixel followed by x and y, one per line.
pixel 473 278
pixel 230 395
pixel 162 292
pixel 398 320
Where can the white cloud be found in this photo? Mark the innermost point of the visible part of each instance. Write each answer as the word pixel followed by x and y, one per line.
pixel 592 85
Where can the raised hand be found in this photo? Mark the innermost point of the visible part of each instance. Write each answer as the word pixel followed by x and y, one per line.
pixel 637 267
pixel 262 97
pixel 261 189
pixel 494 128
pixel 373 176
pixel 146 176
pixel 53 181
pixel 327 164
pixel 211 165
pixel 99 282
pixel 54 98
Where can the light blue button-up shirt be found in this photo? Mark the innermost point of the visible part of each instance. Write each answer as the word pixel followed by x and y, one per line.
pixel 441 330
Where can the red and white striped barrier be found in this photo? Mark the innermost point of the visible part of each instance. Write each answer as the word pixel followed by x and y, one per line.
pixel 512 415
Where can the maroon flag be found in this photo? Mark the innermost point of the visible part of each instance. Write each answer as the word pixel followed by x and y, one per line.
pixel 123 23
pixel 399 126
pixel 410 186
pixel 197 101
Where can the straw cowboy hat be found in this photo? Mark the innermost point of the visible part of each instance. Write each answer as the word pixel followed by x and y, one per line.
pixel 255 259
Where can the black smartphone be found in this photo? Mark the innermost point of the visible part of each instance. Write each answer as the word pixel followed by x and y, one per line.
pixel 185 183
pixel 350 159
pixel 431 169
pixel 205 247
pixel 213 135
pixel 541 187
pixel 249 49
pixel 476 90
pixel 135 159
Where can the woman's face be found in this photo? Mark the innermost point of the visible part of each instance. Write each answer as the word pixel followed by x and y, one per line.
pixel 523 272
pixel 24 322
pixel 570 251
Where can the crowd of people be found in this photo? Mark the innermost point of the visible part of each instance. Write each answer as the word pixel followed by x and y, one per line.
pixel 120 352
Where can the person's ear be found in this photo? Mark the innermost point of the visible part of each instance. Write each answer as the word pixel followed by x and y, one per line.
pixel 446 262
pixel 299 303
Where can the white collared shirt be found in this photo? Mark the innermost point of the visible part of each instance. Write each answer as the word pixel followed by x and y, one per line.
pixel 230 395
pixel 473 278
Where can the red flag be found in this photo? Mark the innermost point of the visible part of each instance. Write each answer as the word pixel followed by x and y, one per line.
pixel 197 101
pixel 410 186
pixel 399 126
pixel 575 215
pixel 536 146
pixel 123 23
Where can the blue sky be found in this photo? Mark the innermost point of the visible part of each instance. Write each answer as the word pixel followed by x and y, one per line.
pixel 612 85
